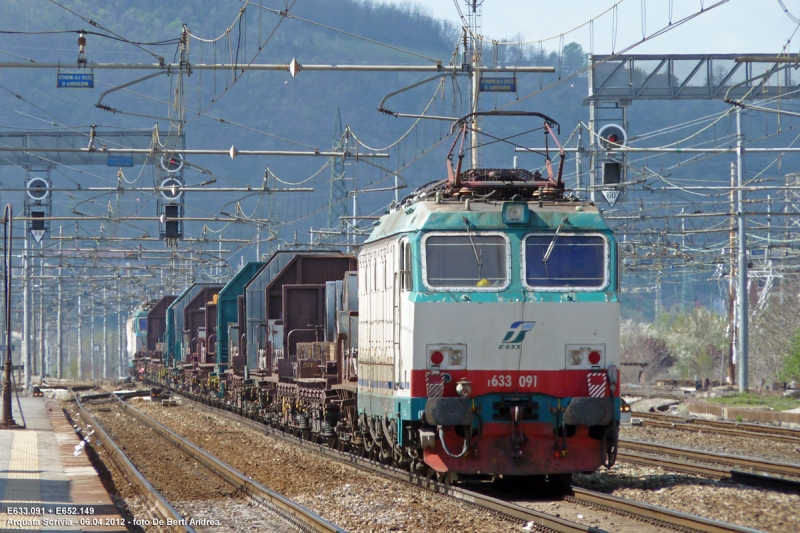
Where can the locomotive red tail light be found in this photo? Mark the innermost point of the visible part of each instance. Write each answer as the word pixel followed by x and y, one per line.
pixel 594 357
pixel 437 358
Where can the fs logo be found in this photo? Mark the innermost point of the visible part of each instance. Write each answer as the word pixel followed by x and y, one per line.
pixel 515 335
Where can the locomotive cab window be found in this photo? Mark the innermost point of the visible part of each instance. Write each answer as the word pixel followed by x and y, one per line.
pixel 142 324
pixel 572 262
pixel 466 261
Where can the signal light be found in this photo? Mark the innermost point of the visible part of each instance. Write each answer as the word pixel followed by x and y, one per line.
pixel 594 357
pixel 612 136
pixel 437 358
pixel 172 163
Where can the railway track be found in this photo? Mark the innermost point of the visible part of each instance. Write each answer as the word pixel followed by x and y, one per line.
pixel 640 512
pixel 279 513
pixel 160 509
pixel 722 427
pixel 725 466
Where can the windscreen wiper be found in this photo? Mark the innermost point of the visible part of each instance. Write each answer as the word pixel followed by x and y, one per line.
pixel 474 248
pixel 553 242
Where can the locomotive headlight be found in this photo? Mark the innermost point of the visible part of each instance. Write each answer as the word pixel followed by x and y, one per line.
pixel 464 388
pixel 516 213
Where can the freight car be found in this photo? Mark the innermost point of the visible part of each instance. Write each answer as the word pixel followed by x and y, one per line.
pixel 477 335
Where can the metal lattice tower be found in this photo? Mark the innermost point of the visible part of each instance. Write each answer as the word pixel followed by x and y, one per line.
pixel 792 206
pixel 338 197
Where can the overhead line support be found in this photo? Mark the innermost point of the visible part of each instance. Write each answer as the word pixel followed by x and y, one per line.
pixel 175 68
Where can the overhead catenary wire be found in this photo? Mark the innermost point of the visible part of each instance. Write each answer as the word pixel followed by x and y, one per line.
pixel 98 25
pixel 579 72
pixel 286 14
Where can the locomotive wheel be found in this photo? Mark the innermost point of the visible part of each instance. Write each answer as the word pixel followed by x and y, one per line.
pixel 417 466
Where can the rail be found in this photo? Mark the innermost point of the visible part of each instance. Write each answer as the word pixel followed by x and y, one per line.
pixel 720 426
pixel 645 512
pixel 657 515
pixel 160 507
pixel 301 517
pixel 783 469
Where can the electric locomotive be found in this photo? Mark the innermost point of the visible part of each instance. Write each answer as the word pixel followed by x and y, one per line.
pixel 489 327
pixel 136 330
pixel 484 338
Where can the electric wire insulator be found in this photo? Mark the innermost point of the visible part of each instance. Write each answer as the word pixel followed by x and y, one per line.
pixel 81 41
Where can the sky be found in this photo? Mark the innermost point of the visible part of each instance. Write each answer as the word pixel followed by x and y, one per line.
pixel 738 26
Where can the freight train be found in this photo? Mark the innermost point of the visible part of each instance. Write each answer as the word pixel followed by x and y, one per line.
pixel 475 334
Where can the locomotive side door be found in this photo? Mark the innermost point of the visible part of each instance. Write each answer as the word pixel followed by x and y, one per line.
pixel 402 286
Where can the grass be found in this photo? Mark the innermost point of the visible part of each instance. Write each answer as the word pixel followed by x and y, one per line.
pixel 778 403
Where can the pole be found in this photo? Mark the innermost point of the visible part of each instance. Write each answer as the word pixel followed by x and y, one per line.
pixel 658 296
pixel 258 242
pixel 68 359
pixel 105 337
pixel 767 254
pixel 476 76
pixel 120 329
pixel 355 214
pixel 42 335
pixel 743 306
pixel 46 352
pixel 578 162
pixel 219 263
pixel 26 316
pixel 732 283
pixel 8 419
pixel 60 317
pixel 683 250
pixel 592 129
pixel 91 340
pixel 34 321
pixel 80 340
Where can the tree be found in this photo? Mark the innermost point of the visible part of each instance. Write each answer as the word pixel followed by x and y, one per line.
pixel 774 334
pixel 573 57
pixel 640 344
pixel 698 340
pixel 791 363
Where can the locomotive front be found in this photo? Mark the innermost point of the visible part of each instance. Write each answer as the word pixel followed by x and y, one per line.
pixel 489 329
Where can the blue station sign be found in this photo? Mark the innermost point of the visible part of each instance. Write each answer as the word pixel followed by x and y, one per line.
pixel 120 161
pixel 75 81
pixel 498 85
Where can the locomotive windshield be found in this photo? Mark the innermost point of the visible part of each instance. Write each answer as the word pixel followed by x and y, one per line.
pixel 467 261
pixel 142 324
pixel 574 262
